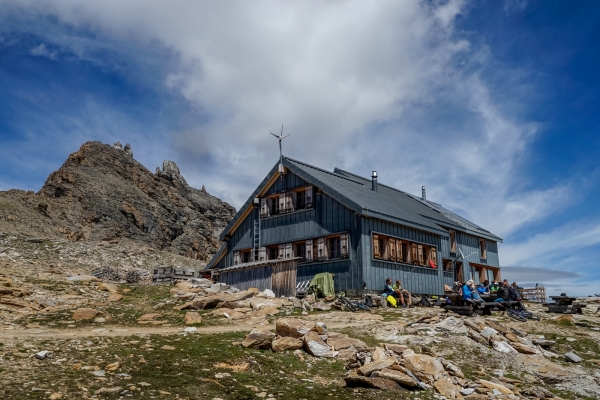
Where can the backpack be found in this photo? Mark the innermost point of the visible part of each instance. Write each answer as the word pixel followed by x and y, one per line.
pixel 424 302
pixel 392 301
pixel 368 301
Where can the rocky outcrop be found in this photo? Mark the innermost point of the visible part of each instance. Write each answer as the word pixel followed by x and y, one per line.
pixel 102 193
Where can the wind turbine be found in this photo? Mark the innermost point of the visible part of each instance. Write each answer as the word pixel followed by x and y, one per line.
pixel 280 137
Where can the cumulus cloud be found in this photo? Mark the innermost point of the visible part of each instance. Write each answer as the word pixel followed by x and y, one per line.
pixel 392 86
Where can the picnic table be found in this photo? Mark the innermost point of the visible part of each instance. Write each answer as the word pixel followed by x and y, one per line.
pixel 464 307
pixel 564 305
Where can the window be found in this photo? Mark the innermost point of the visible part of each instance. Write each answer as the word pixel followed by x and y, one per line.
pixel 274 205
pixel 397 250
pixel 453 241
pixel 334 247
pixel 273 252
pixel 482 252
pixel 246 256
pixel 300 251
pixel 300 200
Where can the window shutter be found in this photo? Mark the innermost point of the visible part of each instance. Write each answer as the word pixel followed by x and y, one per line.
pixel 391 250
pixel 288 250
pixel 344 250
pixel 321 251
pixel 293 200
pixel 269 206
pixel 420 253
pixel 236 257
pixel 453 241
pixel 282 197
pixel 414 257
pixel 399 255
pixel 309 250
pixel 376 246
pixel 281 252
pixel 433 256
pixel 262 254
pixel 308 196
pixel 264 207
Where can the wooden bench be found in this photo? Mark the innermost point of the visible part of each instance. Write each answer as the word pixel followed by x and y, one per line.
pixel 564 305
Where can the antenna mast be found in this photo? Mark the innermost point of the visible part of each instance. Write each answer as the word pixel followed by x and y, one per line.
pixel 280 137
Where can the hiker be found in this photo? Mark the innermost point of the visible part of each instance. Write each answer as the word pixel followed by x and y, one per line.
pixel 401 292
pixel 470 293
pixel 387 289
pixel 503 293
pixel 484 288
pixel 494 287
pixel 513 292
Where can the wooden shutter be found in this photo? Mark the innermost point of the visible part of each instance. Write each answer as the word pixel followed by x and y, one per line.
pixel 262 254
pixel 420 253
pixel 269 205
pixel 433 256
pixel 309 250
pixel 292 199
pixel 288 250
pixel 344 250
pixel 321 250
pixel 453 241
pixel 264 207
pixel 376 246
pixel 391 250
pixel 236 258
pixel 282 198
pixel 281 252
pixel 414 256
pixel 308 193
pixel 399 255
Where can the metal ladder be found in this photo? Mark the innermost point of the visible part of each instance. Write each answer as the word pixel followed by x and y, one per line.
pixel 256 240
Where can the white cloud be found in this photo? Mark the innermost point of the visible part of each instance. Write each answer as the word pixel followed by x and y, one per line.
pixel 43 51
pixel 382 85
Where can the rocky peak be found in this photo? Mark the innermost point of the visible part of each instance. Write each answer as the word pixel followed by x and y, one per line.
pixel 170 171
pixel 101 192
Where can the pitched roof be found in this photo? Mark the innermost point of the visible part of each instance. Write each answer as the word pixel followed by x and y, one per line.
pixel 386 203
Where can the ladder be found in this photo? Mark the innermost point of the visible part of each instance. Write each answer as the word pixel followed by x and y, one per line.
pixel 256 245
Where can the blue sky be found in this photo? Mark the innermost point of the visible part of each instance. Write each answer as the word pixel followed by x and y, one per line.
pixel 492 105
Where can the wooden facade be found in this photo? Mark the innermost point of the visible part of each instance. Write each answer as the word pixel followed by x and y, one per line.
pixel 332 219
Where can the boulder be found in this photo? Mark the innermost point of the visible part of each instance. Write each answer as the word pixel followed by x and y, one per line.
pixel 452 369
pixel 572 357
pixel 396 376
pixel 148 317
pixel 321 306
pixel 259 339
pixel 269 293
pixel 512 337
pixel 292 327
pixel 107 287
pixel 518 332
pixel 492 385
pixel 192 317
pixel 212 301
pixel 344 343
pixel 452 325
pixel 296 303
pixel 497 326
pixel 286 343
pixel 348 353
pixel 544 342
pixel 84 314
pixel 315 346
pixel 114 297
pixel 502 347
pixel 369 368
pixel 259 302
pixel 426 368
pixel 523 348
pixel 379 383
pixel 396 348
pixel 477 337
pixel 446 388
pixel 320 328
pixel 379 354
pixel 487 332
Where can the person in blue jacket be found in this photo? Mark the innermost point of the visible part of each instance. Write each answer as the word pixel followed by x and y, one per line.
pixel 469 291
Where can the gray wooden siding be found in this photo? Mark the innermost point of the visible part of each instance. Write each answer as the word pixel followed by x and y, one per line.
pixel 244 279
pixel 422 280
pixel 347 273
pixel 449 278
pixel 290 181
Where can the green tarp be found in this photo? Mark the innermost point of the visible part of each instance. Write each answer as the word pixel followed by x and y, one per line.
pixel 322 285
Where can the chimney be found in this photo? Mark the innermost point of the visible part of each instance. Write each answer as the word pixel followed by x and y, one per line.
pixel 374 181
pixel 423 193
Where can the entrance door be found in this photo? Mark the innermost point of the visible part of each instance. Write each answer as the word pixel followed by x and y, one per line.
pixel 458 272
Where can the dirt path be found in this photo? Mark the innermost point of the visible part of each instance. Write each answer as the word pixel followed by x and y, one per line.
pixel 20 334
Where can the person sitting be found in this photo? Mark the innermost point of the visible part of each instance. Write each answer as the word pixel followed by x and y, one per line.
pixel 503 293
pixel 484 288
pixel 470 293
pixel 494 287
pixel 401 292
pixel 387 289
pixel 516 288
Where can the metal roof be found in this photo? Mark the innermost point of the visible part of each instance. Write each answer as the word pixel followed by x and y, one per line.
pixel 386 203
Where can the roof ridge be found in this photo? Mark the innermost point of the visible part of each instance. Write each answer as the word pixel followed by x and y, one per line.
pixel 323 170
